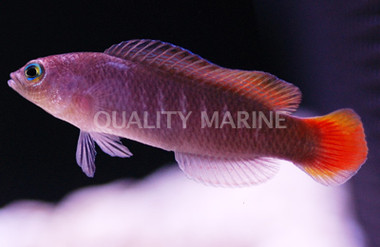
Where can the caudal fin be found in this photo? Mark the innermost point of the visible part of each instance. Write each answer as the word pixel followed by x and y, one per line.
pixel 342 147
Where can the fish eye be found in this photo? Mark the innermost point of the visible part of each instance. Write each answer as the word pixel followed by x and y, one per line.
pixel 33 71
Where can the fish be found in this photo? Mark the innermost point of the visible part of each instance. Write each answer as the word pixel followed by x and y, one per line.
pixel 226 127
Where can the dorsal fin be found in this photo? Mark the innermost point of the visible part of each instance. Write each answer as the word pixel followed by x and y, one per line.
pixel 270 91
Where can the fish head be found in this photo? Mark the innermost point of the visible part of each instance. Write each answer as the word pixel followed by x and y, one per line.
pixel 54 83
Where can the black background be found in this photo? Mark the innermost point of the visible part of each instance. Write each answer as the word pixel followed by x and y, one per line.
pixel 327 48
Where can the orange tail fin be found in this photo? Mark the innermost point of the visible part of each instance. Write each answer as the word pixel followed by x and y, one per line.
pixel 342 148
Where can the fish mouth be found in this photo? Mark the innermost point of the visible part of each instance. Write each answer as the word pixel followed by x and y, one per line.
pixel 12 84
pixel 13 81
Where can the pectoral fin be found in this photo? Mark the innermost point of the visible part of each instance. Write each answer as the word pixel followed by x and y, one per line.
pixel 86 152
pixel 111 145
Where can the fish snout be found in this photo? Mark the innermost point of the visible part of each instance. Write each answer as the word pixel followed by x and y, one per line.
pixel 13 81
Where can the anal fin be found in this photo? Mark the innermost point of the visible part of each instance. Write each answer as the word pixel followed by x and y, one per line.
pixel 226 172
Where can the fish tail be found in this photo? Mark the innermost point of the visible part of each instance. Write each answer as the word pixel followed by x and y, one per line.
pixel 341 148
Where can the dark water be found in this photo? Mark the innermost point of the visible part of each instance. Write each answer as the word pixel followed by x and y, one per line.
pixel 332 48
pixel 327 48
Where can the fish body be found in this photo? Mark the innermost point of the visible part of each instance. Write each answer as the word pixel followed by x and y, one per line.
pixel 227 127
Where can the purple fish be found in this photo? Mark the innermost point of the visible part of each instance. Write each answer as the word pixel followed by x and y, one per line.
pixel 227 127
